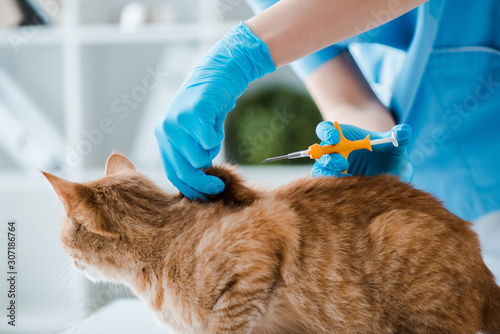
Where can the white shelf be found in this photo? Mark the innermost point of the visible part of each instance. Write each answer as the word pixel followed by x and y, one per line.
pixel 112 34
pixel 154 33
pixel 40 35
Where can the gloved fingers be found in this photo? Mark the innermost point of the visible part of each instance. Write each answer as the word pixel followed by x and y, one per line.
pixel 333 162
pixel 191 176
pixel 318 170
pixel 205 134
pixel 328 133
pixel 194 153
pixel 203 126
pixel 181 186
pixel 385 158
pixel 403 135
pixel 219 126
pixel 192 150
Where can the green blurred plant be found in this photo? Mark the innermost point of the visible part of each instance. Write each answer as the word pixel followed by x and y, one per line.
pixel 271 122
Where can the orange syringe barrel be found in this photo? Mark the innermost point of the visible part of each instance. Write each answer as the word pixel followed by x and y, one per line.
pixel 344 146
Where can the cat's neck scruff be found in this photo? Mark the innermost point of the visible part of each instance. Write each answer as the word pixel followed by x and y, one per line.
pixel 314 256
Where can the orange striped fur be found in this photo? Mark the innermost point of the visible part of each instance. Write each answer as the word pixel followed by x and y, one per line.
pixel 324 255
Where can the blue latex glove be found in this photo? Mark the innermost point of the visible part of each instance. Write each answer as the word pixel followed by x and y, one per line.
pixel 190 131
pixel 384 159
pixel 307 65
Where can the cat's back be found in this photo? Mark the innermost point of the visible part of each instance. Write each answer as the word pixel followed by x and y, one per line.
pixel 380 241
pixel 353 255
pixel 356 196
pixel 360 216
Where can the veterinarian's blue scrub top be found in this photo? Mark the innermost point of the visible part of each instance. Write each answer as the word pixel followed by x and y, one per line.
pixel 447 88
pixel 440 67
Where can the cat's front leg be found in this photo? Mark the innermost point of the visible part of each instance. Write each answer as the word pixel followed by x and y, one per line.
pixel 240 307
pixel 238 274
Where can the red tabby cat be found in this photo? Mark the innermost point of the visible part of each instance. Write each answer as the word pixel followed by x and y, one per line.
pixel 324 255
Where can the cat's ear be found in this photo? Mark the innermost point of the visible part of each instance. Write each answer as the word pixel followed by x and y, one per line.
pixel 71 195
pixel 117 163
pixel 66 191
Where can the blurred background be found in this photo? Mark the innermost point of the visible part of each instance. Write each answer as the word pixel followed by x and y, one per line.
pixel 79 78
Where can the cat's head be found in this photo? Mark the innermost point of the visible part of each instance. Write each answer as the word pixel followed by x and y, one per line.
pixel 111 224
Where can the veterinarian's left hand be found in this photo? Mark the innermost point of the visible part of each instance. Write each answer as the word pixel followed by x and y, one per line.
pixel 190 131
pixel 384 159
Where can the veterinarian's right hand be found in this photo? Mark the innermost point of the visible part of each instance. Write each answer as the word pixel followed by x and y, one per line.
pixel 384 159
pixel 190 131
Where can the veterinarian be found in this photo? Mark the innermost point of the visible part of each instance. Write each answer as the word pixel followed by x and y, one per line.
pixel 380 63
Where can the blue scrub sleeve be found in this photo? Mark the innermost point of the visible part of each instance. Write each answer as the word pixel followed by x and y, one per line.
pixel 260 5
pixel 307 65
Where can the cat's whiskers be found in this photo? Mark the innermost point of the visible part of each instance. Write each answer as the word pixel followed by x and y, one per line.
pixel 61 287
pixel 73 276
pixel 54 286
